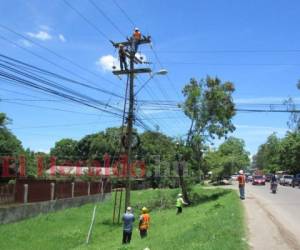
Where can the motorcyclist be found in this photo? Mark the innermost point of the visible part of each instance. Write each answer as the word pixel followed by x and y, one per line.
pixel 273 179
pixel 273 183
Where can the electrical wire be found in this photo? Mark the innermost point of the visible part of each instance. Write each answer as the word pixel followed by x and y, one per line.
pixel 107 18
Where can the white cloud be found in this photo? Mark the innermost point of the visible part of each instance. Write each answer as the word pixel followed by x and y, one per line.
pixel 41 35
pixel 107 62
pixel 61 38
pixel 141 56
pixel 25 43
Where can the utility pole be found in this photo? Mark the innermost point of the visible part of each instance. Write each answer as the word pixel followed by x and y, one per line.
pixel 130 119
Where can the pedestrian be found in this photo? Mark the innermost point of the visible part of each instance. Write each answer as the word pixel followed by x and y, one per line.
pixel 136 38
pixel 128 219
pixel 179 203
pixel 144 222
pixel 241 180
pixel 122 57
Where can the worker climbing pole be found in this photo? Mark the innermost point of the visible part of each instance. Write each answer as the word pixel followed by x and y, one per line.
pixel 130 48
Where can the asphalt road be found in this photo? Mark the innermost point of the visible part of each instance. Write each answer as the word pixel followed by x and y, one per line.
pixel 273 219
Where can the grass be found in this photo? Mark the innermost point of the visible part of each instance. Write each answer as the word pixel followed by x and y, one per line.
pixel 215 221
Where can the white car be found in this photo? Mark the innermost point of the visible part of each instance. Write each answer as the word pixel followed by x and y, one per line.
pixel 234 177
pixel 286 180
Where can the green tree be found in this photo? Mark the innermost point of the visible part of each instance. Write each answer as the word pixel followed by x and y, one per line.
pixel 210 107
pixel 65 149
pixel 290 152
pixel 9 144
pixel 157 150
pixel 230 157
pixel 267 157
pixel 234 156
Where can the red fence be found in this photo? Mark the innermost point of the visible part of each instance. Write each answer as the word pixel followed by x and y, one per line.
pixel 7 193
pixel 44 190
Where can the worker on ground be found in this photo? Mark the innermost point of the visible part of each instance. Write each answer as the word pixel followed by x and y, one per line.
pixel 241 180
pixel 128 219
pixel 179 203
pixel 122 57
pixel 136 38
pixel 144 222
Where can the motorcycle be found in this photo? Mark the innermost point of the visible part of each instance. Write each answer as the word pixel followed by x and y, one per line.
pixel 274 187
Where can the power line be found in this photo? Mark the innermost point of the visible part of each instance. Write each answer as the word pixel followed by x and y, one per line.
pixel 232 64
pixel 49 108
pixel 95 27
pixel 61 125
pixel 52 52
pixel 107 17
pixel 161 65
pixel 228 51
pixel 53 84
pixel 54 92
pixel 124 13
pixel 40 70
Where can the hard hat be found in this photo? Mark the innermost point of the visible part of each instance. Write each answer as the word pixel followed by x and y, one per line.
pixel 121 45
pixel 179 195
pixel 144 209
pixel 241 172
pixel 136 28
pixel 128 209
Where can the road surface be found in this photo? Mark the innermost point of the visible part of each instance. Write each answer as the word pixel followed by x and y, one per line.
pixel 273 219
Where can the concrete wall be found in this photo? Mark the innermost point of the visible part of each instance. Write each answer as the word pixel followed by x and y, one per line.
pixel 19 212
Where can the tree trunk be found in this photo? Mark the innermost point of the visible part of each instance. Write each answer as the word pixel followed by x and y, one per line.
pixel 182 183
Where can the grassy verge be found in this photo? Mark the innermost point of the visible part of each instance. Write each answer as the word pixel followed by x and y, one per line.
pixel 214 221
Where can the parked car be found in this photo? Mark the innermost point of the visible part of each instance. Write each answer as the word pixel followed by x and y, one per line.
pixel 258 180
pixel 286 180
pixel 296 180
pixel 234 177
pixel 268 177
pixel 249 178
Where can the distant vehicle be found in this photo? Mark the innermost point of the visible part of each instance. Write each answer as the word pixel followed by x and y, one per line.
pixel 234 177
pixel 296 180
pixel 268 177
pixel 286 180
pixel 258 180
pixel 250 178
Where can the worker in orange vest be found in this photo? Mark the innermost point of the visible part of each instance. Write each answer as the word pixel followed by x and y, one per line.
pixel 241 179
pixel 144 222
pixel 136 38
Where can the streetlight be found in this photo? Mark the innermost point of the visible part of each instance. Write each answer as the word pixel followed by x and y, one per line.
pixel 160 72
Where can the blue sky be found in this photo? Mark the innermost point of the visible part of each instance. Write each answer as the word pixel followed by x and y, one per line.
pixel 254 44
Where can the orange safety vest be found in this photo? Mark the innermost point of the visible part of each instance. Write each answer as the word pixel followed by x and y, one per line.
pixel 241 180
pixel 137 35
pixel 145 221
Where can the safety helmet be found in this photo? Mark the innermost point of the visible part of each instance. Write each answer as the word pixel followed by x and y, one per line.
pixel 121 45
pixel 144 210
pixel 241 172
pixel 136 29
pixel 179 195
pixel 128 209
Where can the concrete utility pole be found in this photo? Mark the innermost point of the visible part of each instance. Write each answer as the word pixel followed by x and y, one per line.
pixel 130 119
